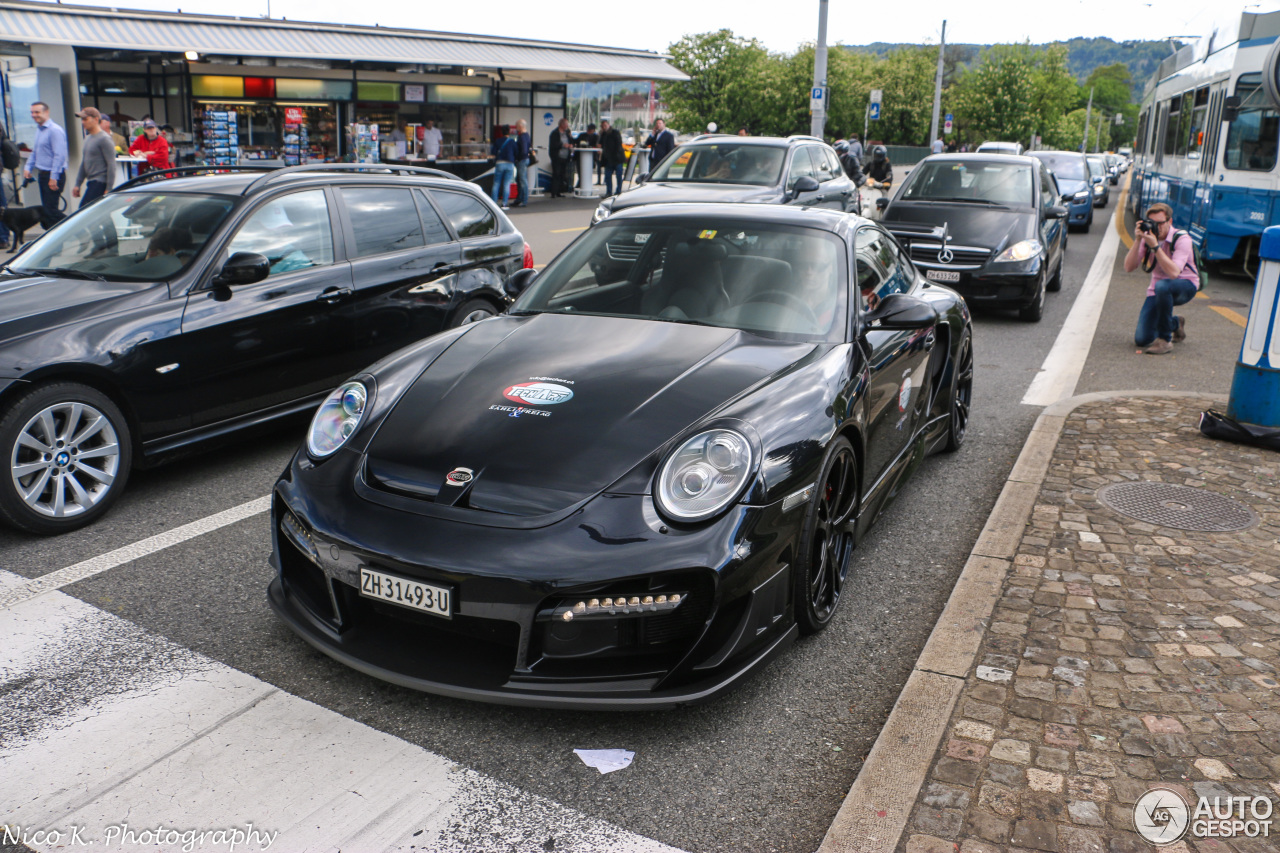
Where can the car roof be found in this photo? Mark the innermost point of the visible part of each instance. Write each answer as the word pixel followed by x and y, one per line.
pixel 821 218
pixel 762 141
pixel 982 156
pixel 253 180
pixel 1055 153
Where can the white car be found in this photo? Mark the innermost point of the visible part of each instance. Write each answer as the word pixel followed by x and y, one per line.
pixel 1000 148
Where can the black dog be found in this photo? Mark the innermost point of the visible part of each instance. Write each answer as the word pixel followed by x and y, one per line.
pixel 18 220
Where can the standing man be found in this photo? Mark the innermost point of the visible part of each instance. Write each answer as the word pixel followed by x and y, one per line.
pixel 660 143
pixel 855 149
pixel 153 146
pixel 432 140
pixel 560 149
pixel 524 145
pixel 49 162
pixel 937 146
pixel 612 157
pixel 98 161
pixel 121 144
pixel 503 152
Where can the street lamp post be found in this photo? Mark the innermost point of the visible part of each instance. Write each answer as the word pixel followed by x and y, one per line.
pixel 819 111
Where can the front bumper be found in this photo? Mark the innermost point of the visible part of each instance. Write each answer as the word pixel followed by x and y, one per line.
pixel 502 644
pixel 1080 213
pixel 1000 289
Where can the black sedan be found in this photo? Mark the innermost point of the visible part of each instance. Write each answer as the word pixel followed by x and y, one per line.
pixel 172 313
pixel 989 225
pixel 629 491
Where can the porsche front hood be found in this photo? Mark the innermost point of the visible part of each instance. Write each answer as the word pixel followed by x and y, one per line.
pixel 546 410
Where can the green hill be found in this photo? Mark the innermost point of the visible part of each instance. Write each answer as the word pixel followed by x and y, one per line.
pixel 1083 55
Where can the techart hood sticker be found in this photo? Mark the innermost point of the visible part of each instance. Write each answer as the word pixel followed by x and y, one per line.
pixel 538 393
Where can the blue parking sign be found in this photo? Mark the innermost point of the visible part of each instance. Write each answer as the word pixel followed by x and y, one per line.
pixel 875 112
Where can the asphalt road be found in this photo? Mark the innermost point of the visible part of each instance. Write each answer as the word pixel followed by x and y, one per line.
pixel 762 769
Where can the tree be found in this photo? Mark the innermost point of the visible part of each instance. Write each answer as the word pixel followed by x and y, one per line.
pixel 728 76
pixel 997 100
pixel 907 78
pixel 1112 87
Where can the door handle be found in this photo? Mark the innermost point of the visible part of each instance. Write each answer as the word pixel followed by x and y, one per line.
pixel 333 294
pixel 822 198
pixel 929 340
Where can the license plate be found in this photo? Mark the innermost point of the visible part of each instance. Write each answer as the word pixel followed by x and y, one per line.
pixel 413 594
pixel 942 275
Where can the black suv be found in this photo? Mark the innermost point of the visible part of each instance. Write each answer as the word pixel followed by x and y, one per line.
pixel 799 170
pixel 190 304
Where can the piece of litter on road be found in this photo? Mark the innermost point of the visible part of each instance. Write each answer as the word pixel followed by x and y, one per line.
pixel 994 673
pixel 606 760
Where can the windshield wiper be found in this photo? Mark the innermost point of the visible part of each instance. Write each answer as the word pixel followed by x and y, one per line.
pixel 68 272
pixel 988 202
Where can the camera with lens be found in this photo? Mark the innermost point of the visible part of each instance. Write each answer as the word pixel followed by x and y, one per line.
pixel 1146 226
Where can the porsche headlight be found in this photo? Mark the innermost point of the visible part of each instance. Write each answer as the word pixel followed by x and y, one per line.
pixel 337 419
pixel 602 211
pixel 1024 251
pixel 705 475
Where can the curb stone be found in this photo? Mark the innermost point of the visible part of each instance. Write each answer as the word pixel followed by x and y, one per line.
pixel 874 814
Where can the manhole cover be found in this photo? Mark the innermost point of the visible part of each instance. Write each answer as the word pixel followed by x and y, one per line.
pixel 1181 507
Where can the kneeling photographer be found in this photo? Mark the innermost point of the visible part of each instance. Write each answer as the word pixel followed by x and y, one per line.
pixel 1169 255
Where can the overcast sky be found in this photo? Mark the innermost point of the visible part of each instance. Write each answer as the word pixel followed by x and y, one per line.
pixel 780 24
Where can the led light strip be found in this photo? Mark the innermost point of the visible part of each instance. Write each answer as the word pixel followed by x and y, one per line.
pixel 619 606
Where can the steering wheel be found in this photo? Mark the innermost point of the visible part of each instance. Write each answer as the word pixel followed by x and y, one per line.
pixel 789 300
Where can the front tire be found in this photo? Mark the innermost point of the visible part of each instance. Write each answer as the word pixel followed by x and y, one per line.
pixel 1033 312
pixel 961 396
pixel 69 452
pixel 1055 283
pixel 826 543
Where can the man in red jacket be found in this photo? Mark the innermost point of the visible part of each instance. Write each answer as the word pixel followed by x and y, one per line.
pixel 153 146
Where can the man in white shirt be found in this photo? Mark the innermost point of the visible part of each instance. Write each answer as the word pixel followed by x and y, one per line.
pixel 938 145
pixel 432 140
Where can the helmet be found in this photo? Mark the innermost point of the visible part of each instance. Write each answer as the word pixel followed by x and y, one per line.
pixel 879 153
pixel 841 146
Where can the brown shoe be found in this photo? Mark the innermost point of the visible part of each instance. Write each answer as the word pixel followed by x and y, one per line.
pixel 1159 347
pixel 1180 333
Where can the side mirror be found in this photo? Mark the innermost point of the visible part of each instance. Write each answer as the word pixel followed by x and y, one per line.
pixel 1097 179
pixel 804 184
pixel 903 311
pixel 1056 212
pixel 243 268
pixel 519 282
pixel 1230 108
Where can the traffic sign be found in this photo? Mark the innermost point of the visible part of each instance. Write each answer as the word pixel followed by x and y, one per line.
pixel 946 125
pixel 877 95
pixel 875 111
pixel 817 98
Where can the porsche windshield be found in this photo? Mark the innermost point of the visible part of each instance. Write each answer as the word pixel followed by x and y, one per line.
pixel 977 181
pixel 774 280
pixel 722 163
pixel 128 236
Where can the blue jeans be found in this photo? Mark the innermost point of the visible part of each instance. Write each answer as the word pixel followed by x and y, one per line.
pixel 522 182
pixel 609 173
pixel 1156 319
pixel 504 172
pixel 92 191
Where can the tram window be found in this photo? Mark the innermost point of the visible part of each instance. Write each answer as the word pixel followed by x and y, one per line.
pixel 1254 135
pixel 1185 123
pixel 1141 145
pixel 1171 125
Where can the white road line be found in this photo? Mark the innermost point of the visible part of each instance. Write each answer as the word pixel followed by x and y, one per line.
pixel 104 724
pixel 1061 369
pixel 129 553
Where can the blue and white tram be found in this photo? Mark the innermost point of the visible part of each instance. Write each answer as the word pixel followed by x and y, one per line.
pixel 1220 177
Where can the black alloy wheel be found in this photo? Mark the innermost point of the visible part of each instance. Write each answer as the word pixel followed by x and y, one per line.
pixel 961 396
pixel 1033 312
pixel 826 543
pixel 473 311
pixel 69 452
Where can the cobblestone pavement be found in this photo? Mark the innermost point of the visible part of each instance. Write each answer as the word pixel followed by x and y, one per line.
pixel 1121 655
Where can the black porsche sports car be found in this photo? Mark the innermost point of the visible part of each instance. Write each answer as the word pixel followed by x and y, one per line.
pixel 627 491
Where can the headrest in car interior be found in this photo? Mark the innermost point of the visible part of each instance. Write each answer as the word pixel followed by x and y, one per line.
pixel 702 249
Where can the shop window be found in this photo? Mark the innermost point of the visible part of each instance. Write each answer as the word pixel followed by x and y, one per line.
pixel 293 232
pixel 549 99
pixel 118 84
pixel 436 232
pixel 515 98
pixel 444 94
pixel 1253 137
pixel 469 216
pixel 383 220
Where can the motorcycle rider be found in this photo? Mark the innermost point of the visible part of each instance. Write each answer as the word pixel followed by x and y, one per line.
pixel 879 177
pixel 852 165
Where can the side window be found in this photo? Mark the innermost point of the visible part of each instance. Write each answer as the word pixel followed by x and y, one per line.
pixel 436 232
pixel 382 220
pixel 1048 189
pixel 292 231
pixel 467 214
pixel 823 158
pixel 1252 139
pixel 833 163
pixel 801 165
pixel 880 270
